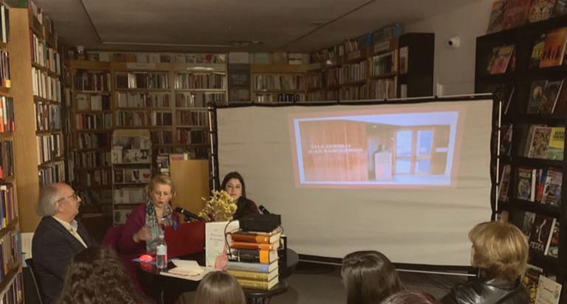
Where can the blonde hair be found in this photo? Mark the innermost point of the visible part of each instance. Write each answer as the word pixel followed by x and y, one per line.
pixel 160 179
pixel 219 287
pixel 500 250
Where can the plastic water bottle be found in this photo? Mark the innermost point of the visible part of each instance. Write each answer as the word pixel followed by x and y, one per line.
pixel 161 254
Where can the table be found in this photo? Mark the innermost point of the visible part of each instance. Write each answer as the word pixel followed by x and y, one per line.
pixel 170 287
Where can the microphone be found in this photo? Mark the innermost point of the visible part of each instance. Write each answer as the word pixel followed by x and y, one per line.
pixel 188 214
pixel 264 210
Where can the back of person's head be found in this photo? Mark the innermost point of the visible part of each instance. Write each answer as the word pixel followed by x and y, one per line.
pixel 499 250
pixel 369 277
pixel 410 297
pixel 234 175
pixel 219 287
pixel 47 197
pixel 95 275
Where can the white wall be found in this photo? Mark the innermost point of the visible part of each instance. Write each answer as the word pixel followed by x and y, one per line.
pixel 454 68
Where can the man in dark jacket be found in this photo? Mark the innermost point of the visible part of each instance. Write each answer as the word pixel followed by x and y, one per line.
pixel 57 238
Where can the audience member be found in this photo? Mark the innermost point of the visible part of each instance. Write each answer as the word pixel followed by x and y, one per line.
pixel 369 277
pixel 143 225
pixel 410 297
pixel 96 276
pixel 500 252
pixel 219 287
pixel 57 238
pixel 233 184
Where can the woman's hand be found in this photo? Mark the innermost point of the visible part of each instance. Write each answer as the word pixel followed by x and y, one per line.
pixel 142 235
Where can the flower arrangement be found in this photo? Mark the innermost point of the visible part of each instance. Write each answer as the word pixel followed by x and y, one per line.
pixel 220 207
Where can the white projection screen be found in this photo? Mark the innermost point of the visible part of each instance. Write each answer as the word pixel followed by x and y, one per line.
pixel 409 180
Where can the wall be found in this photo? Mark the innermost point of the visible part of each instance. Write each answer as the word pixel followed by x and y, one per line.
pixel 454 67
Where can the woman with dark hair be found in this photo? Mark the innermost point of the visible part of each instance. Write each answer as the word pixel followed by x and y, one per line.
pixel 95 276
pixel 219 287
pixel 369 277
pixel 500 252
pixel 233 184
pixel 410 297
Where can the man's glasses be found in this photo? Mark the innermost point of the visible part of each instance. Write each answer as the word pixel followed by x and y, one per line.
pixel 75 196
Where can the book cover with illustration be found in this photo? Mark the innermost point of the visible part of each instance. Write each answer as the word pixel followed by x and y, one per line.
pixel 536 94
pixel 539 142
pixel 506 140
pixel 528 223
pixel 554 48
pixel 537 51
pixel 552 188
pixel 541 10
pixel 502 60
pixel 504 183
pixel 550 95
pixel 495 23
pixel 556 144
pixel 553 250
pixel 530 281
pixel 526 184
pixel 540 236
pixel 516 13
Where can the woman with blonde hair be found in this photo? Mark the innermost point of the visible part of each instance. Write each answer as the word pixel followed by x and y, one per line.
pixel 500 252
pixel 219 287
pixel 369 277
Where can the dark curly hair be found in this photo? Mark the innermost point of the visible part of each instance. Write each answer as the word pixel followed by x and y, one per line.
pixel 96 276
pixel 369 277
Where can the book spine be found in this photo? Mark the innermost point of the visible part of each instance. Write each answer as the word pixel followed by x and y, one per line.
pixel 244 245
pixel 253 284
pixel 256 267
pixel 250 238
pixel 249 275
pixel 251 256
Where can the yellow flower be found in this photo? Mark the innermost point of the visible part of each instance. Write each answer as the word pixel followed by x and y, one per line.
pixel 219 207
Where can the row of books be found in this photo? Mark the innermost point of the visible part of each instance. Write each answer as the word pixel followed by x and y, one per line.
pixel 10 249
pixel 315 96
pixel 92 81
pixel 283 97
pixel 354 92
pixel 545 142
pixel 188 136
pixel 129 195
pixel 15 292
pixel 191 118
pixel 54 173
pixel 353 72
pixel 535 185
pixel 507 14
pixel 8 205
pixel 198 99
pixel 161 137
pixel 49 147
pixel 92 140
pixel 5 74
pixel 142 100
pixel 44 55
pixel 6 159
pixel 90 178
pixel 92 102
pixel 7 121
pixel 279 82
pixel 314 81
pixel 142 80
pixel 383 88
pixel 331 77
pixel 132 119
pixel 47 117
pixel 45 86
pixel 542 232
pixel 90 159
pixel 166 58
pixel 95 196
pixel 384 64
pixel 188 81
pixel 90 121
pixel 132 175
pixel 253 258
pixel 4 23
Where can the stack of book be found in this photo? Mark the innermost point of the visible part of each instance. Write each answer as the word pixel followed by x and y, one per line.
pixel 253 258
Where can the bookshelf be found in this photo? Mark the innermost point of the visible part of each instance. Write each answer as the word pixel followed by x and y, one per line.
pixel 90 129
pixel 529 168
pixel 364 69
pixel 278 83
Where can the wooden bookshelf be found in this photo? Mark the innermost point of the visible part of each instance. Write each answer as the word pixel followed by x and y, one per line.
pixel 278 82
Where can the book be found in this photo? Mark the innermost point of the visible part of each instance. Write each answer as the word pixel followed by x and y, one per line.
pixel 536 94
pixel 560 7
pixel 257 246
pixel 496 16
pixel 500 63
pixel 553 250
pixel 215 242
pixel 251 275
pixel 255 237
pixel 548 291
pixel 537 51
pixel 526 184
pixel 552 188
pixel 550 96
pixel 516 13
pixel 561 104
pixel 541 10
pixel 256 267
pixel 253 284
pixel 528 223
pixel 506 140
pixel 504 183
pixel 556 144
pixel 531 280
pixel 554 48
pixel 253 256
pixel 540 236
pixel 539 142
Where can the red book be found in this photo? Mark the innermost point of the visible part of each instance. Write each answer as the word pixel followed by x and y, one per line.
pixel 251 237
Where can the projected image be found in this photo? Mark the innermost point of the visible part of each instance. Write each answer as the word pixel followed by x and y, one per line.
pixel 403 149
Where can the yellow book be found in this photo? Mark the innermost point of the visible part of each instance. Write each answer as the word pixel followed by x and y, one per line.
pixel 556 143
pixel 254 284
pixel 239 274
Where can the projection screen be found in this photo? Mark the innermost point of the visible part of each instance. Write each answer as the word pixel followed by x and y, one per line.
pixel 409 180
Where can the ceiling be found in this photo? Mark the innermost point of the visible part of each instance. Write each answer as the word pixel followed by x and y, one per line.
pixel 211 25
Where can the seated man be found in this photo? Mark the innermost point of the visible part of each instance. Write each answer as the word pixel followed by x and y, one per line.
pixel 58 237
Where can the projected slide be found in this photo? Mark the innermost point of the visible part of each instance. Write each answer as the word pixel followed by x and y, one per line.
pixel 387 148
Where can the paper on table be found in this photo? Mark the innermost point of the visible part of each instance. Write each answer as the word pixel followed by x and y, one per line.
pixel 182 275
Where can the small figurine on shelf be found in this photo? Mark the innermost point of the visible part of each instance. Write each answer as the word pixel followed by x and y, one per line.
pixel 81 53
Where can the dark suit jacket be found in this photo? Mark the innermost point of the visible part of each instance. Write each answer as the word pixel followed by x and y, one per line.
pixel 53 247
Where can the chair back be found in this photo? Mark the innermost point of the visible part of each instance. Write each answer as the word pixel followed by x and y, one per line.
pixel 33 293
pixel 112 237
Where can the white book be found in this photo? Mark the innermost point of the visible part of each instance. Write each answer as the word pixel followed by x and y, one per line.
pixel 215 242
pixel 548 291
